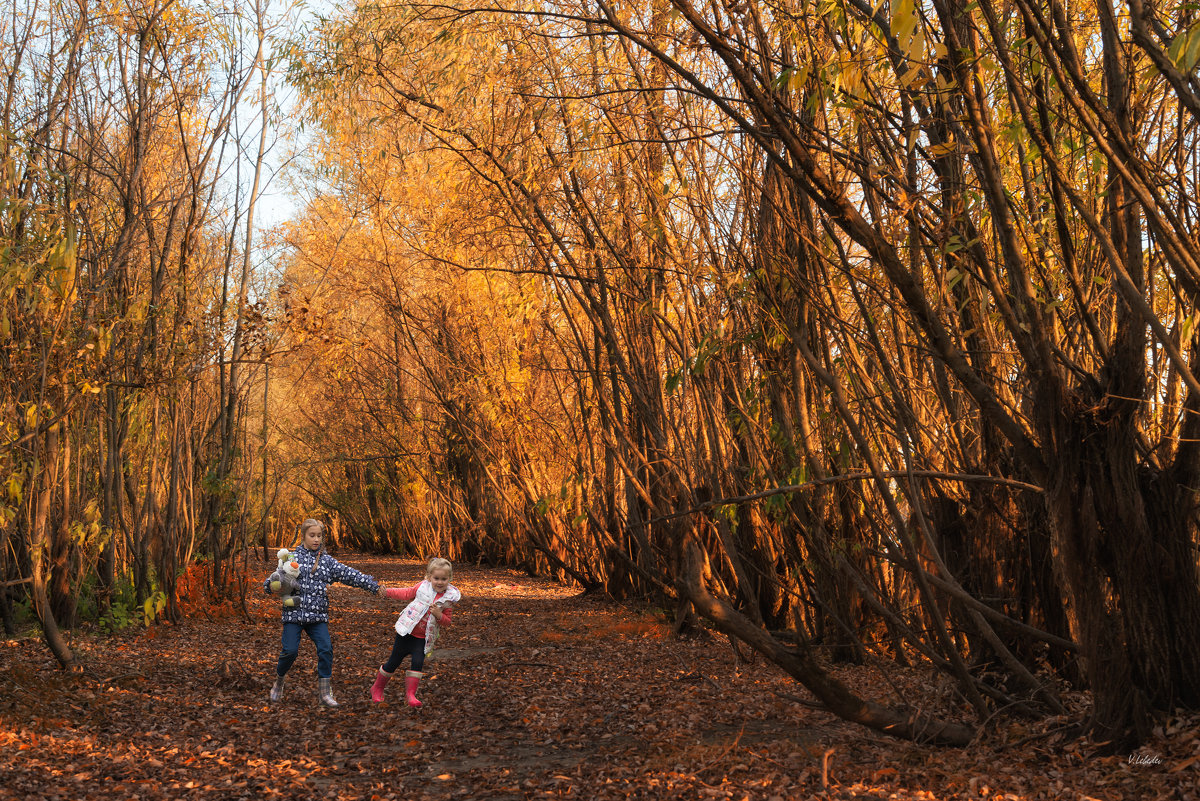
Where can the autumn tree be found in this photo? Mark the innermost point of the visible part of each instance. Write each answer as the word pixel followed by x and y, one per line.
pixel 117 127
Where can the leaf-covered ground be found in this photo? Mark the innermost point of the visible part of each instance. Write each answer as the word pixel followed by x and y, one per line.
pixel 538 693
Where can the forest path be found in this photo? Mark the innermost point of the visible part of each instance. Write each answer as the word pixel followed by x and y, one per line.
pixel 539 693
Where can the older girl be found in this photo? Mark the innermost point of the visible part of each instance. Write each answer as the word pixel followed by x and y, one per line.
pixel 310 615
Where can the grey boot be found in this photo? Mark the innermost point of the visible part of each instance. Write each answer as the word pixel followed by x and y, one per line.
pixel 277 689
pixel 325 693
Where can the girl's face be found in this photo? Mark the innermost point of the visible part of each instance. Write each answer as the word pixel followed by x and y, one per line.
pixel 313 538
pixel 440 579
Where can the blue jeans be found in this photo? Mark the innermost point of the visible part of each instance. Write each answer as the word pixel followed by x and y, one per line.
pixel 319 634
pixel 407 645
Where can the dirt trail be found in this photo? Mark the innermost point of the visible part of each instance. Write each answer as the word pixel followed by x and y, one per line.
pixel 538 692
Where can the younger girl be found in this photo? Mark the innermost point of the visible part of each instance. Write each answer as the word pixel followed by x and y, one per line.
pixel 310 615
pixel 417 626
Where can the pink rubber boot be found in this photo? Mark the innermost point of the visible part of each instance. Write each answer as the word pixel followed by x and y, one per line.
pixel 381 680
pixel 411 679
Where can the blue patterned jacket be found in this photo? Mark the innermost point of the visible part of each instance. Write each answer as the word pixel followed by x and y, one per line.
pixel 313 602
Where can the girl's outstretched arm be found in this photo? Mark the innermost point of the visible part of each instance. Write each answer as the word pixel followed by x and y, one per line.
pixel 344 574
pixel 401 593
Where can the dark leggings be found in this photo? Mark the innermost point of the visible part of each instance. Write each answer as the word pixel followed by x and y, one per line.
pixel 406 645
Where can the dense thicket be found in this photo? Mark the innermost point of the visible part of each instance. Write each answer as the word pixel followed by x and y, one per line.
pixel 125 235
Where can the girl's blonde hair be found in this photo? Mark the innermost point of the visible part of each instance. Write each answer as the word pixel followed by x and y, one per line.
pixel 438 563
pixel 304 527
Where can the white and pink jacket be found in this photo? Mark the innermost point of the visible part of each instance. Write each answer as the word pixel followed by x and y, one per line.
pixel 416 619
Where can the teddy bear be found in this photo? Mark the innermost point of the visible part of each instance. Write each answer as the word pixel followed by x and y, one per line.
pixel 283 581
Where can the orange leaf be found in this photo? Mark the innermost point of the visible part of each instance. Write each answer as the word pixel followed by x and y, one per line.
pixel 1185 764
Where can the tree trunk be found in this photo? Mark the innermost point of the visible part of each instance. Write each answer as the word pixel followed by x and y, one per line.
pixel 905 723
pixel 62 568
pixel 1124 549
pixel 39 547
